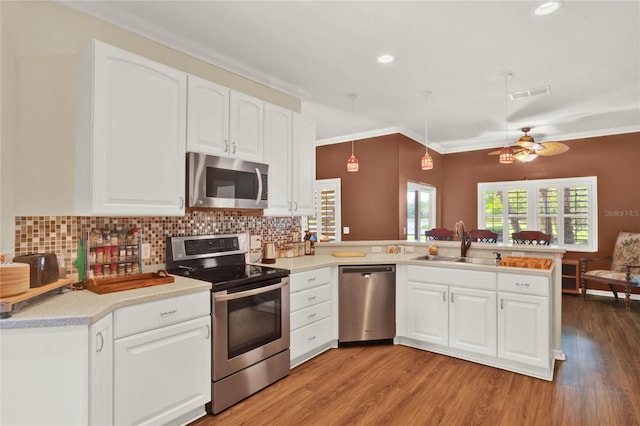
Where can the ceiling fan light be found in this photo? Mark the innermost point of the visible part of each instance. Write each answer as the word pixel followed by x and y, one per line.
pixel 506 155
pixel 427 162
pixel 526 157
pixel 352 164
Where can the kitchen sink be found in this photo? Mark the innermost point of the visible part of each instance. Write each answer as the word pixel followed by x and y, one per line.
pixel 476 260
pixel 458 259
pixel 437 257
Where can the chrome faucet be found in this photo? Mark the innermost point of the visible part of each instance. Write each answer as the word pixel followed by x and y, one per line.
pixel 465 242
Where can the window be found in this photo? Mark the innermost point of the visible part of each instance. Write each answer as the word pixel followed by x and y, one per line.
pixel 327 201
pixel 421 210
pixel 565 208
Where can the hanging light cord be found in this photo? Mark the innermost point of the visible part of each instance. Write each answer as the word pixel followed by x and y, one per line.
pixel 426 121
pixel 506 140
pixel 353 96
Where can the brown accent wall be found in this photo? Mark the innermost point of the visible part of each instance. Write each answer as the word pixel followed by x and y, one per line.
pixel 373 199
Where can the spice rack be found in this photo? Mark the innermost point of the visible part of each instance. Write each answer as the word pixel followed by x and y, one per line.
pixel 111 253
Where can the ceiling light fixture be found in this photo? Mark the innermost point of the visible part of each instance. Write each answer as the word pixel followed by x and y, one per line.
pixel 427 162
pixel 506 153
pixel 385 59
pixel 547 8
pixel 352 162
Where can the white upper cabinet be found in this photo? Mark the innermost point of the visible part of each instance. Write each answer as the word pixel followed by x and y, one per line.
pixel 224 122
pixel 130 148
pixel 290 152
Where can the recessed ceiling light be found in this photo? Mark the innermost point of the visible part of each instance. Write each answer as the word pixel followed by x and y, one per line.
pixel 547 7
pixel 385 59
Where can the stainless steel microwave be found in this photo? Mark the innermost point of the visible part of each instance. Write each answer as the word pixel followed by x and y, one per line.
pixel 222 182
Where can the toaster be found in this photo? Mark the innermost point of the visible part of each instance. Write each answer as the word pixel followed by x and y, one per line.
pixel 43 268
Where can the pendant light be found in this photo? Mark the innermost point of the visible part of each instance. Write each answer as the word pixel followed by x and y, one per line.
pixel 427 162
pixel 352 162
pixel 506 153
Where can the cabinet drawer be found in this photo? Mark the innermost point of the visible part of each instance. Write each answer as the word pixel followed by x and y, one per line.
pixel 159 313
pixel 523 284
pixel 310 337
pixel 464 278
pixel 306 316
pixel 313 296
pixel 308 279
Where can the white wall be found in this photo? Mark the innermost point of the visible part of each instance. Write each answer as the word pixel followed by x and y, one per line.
pixel 40 42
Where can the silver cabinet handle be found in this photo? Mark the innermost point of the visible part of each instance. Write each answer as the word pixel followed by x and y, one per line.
pixel 295 206
pixel 226 145
pixel 311 279
pixel 311 298
pixel 451 297
pixel 208 332
pixel 100 345
pixel 522 284
pixel 181 202
pixel 312 338
pixel 234 147
pixel 171 312
pixel 444 296
pixel 290 206
pixel 501 303
pixel 311 315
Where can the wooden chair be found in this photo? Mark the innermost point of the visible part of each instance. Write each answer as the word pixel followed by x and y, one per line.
pixel 535 238
pixel 624 271
pixel 483 236
pixel 439 234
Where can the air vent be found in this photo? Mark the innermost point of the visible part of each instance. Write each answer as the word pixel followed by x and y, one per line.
pixel 543 90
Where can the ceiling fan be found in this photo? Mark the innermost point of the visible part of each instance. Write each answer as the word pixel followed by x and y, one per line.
pixel 526 149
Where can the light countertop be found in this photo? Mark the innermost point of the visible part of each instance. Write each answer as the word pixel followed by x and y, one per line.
pixel 84 307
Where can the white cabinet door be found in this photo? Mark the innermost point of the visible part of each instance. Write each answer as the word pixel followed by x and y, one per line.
pixel 303 166
pixel 246 127
pixel 101 372
pixel 472 320
pixel 427 306
pixel 163 373
pixel 131 151
pixel 207 117
pixel 523 329
pixel 277 153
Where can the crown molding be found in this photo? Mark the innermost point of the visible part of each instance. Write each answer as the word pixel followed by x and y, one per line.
pixel 154 32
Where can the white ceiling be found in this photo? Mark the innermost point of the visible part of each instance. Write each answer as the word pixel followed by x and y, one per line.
pixel 588 52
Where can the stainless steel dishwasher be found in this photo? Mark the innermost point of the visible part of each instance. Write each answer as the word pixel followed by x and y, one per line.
pixel 366 303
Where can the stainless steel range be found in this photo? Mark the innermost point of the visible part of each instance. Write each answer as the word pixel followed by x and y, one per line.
pixel 249 309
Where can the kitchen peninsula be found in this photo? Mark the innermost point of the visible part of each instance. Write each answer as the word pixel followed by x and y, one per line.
pixel 537 292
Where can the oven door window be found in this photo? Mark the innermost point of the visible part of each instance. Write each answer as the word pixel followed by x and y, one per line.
pixel 253 322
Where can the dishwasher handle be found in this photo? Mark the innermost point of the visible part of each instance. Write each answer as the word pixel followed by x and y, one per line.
pixel 368 271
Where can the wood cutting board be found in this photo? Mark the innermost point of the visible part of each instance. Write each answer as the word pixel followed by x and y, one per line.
pixel 129 282
pixel 348 254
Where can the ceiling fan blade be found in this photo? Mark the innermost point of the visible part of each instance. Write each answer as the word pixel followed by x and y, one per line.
pixel 530 145
pixel 553 148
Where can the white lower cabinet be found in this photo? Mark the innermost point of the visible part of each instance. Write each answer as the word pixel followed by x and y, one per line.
pixel 457 317
pixel 499 319
pixel 428 313
pixel 523 319
pixel 101 372
pixel 472 320
pixel 162 361
pixel 311 314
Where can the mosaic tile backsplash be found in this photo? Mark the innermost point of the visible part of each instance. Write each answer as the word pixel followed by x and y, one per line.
pixel 60 234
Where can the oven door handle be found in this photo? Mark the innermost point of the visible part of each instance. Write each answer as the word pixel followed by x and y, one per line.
pixel 241 294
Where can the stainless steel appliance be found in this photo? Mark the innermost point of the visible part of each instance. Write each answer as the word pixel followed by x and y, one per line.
pixel 226 182
pixel 367 303
pixel 250 313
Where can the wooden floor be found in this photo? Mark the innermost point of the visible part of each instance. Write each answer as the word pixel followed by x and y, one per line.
pixel 598 384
